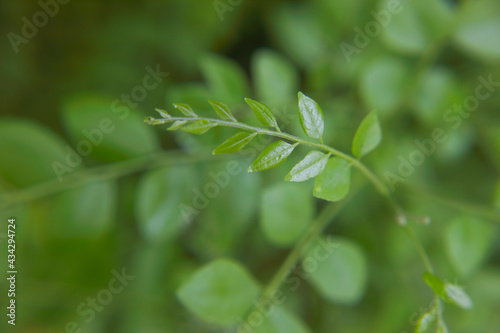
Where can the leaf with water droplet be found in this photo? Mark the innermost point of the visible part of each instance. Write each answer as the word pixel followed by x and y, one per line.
pixel 272 156
pixel 311 166
pixel 310 116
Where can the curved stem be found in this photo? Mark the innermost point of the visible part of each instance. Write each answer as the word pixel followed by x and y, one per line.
pixel 485 212
pixel 420 248
pixel 314 231
pixel 100 173
pixel 379 185
pixel 323 219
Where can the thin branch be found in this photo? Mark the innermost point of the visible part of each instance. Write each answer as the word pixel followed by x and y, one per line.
pixel 89 175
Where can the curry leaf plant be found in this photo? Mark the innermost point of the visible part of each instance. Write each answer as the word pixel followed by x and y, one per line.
pixel 331 169
pixel 329 166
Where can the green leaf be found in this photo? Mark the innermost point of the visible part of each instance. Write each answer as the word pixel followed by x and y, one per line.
pixel 368 135
pixel 415 25
pixel 286 212
pixel 437 89
pixel 221 292
pixel 334 182
pixel 222 110
pixel 109 130
pixel 32 154
pixel 176 125
pixel 263 113
pixel 426 321
pixel 199 127
pixel 272 156
pixel 337 269
pixel 225 78
pixel 312 165
pixel 163 113
pixel 442 327
pixel 159 198
pixel 299 33
pixel 457 296
pixel 223 224
pixel 450 293
pixel 310 116
pixel 185 110
pixel 87 211
pixel 478 29
pixel 276 79
pixel 383 84
pixel 279 320
pixel 234 144
pixel 468 241
pixel 434 283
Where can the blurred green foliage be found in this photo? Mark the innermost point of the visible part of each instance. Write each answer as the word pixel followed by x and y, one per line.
pixel 94 189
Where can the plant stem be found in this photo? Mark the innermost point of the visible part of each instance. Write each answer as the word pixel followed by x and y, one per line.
pixel 379 185
pixel 420 248
pixel 314 231
pixel 323 219
pixel 489 213
pixel 100 173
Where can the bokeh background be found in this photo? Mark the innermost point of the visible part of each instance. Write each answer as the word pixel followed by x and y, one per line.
pixel 85 71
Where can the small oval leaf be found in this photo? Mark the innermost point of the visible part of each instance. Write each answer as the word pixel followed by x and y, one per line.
pixel 425 321
pixel 263 113
pixel 221 292
pixel 468 241
pixel 159 196
pixel 339 274
pixel 185 110
pixel 199 127
pixel 310 116
pixel 368 135
pixel 272 156
pixel 442 327
pixel 334 182
pixel 286 212
pixel 278 320
pixel 234 144
pixel 435 283
pixel 163 113
pixel 222 110
pixel 457 296
pixel 176 125
pixel 312 165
